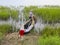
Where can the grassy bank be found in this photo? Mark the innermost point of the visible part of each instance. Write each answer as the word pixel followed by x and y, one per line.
pixel 4 29
pixel 49 36
pixel 51 40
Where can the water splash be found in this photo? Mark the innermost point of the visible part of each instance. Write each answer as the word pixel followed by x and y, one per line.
pixel 39 26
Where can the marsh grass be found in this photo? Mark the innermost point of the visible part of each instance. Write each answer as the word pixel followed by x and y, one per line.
pixel 51 40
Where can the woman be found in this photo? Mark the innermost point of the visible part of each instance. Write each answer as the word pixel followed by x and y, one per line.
pixel 32 16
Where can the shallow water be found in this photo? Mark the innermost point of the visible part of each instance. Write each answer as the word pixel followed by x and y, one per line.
pixel 39 26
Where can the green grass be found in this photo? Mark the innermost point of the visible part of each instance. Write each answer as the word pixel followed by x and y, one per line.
pixel 48 31
pixel 4 29
pixel 49 36
pixel 51 40
pixel 5 13
pixel 1 35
